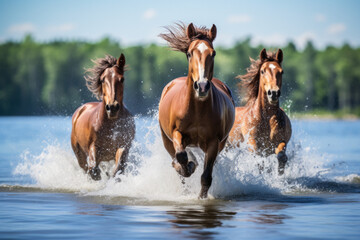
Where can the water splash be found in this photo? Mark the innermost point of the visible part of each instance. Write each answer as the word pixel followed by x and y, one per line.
pixel 149 174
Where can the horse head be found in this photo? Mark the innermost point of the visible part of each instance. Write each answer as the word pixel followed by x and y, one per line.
pixel 112 87
pixel 271 75
pixel 200 55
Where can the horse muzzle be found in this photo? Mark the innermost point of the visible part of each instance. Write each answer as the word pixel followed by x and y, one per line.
pixel 273 96
pixel 112 110
pixel 202 88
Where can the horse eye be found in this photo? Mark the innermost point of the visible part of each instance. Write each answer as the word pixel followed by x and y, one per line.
pixel 214 54
pixel 122 79
pixel 188 55
pixel 262 71
pixel 102 80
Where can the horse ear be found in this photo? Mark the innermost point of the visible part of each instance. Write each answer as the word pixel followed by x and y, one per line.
pixel 279 55
pixel 190 31
pixel 121 61
pixel 212 33
pixel 263 55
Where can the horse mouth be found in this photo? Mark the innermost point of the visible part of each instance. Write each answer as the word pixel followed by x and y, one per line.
pixel 202 95
pixel 112 115
pixel 274 102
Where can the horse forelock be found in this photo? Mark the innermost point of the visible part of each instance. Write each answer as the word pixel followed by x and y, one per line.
pixel 93 74
pixel 178 40
pixel 250 82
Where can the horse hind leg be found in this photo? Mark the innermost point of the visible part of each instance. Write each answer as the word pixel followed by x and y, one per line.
pixel 282 158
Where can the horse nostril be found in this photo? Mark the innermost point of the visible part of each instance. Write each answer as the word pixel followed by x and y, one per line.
pixel 196 86
pixel 207 86
pixel 107 107
pixel 269 93
pixel 117 107
pixel 274 94
pixel 278 93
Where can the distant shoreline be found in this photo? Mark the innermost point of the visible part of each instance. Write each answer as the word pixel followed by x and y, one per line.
pixel 293 116
pixel 324 116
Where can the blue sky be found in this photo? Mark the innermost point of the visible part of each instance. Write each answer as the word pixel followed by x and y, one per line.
pixel 272 23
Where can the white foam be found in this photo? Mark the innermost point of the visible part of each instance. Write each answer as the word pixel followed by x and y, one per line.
pixel 149 174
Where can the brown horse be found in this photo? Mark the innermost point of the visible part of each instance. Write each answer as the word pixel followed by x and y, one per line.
pixel 103 131
pixel 197 110
pixel 261 120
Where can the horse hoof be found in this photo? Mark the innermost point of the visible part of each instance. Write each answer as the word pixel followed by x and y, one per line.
pixel 203 194
pixel 282 159
pixel 181 157
pixel 191 167
pixel 95 173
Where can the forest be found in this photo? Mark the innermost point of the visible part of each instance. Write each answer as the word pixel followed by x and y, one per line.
pixel 47 78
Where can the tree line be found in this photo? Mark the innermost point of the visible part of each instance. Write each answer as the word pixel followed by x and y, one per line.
pixel 48 78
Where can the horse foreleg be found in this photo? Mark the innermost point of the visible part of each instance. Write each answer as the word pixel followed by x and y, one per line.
pixel 184 167
pixel 206 177
pixel 93 169
pixel 281 156
pixel 120 160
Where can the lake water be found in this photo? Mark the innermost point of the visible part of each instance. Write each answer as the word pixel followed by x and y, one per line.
pixel 45 195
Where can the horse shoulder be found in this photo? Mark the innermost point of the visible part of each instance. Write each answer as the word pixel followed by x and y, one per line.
pixel 280 126
pixel 171 85
pixel 223 88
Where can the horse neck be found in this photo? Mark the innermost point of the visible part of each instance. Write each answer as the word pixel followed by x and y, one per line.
pixel 263 108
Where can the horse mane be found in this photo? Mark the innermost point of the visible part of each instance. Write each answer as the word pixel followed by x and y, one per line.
pixel 93 74
pixel 177 37
pixel 249 85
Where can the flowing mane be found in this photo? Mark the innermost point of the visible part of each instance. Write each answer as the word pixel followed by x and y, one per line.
pixel 93 74
pixel 177 38
pixel 249 85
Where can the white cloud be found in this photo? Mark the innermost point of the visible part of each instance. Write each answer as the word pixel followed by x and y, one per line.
pixel 320 17
pixel 149 13
pixel 336 28
pixel 62 27
pixel 303 38
pixel 241 18
pixel 22 28
pixel 271 40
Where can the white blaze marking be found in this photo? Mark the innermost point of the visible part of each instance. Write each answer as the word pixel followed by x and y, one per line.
pixel 202 47
pixel 272 66
pixel 201 73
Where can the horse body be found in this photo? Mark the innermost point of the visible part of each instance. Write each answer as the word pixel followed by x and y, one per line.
pixel 194 118
pixel 261 121
pixel 197 110
pixel 103 131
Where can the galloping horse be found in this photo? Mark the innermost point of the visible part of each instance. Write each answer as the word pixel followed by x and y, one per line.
pixel 103 131
pixel 197 110
pixel 265 124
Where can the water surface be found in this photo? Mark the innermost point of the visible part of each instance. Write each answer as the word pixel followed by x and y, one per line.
pixel 44 194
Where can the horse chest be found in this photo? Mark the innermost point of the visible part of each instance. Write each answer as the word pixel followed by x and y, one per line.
pixel 112 136
pixel 267 136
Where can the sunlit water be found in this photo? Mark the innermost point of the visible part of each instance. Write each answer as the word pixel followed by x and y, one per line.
pixel 45 194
